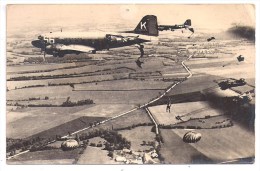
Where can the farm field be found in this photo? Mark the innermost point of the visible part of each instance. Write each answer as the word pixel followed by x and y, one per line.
pixel 175 151
pixel 221 145
pixel 46 157
pixel 90 156
pixel 212 122
pixel 68 127
pixel 54 116
pixel 127 84
pixel 198 109
pixel 134 118
pixel 137 135
pixel 98 97
pixel 202 82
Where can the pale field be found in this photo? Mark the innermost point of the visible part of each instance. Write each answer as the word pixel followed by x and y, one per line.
pixel 11 85
pixel 229 71
pixel 224 144
pixel 73 80
pixel 80 70
pixel 57 102
pixel 208 63
pixel 35 67
pixel 136 117
pixel 51 92
pixel 99 97
pixel 127 84
pixel 104 110
pixel 94 155
pixel 207 123
pixel 193 62
pixel 50 117
pixel 232 68
pixel 198 109
pixel 34 120
pixel 137 135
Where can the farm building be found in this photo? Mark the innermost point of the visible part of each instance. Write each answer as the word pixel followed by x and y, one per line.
pixel 120 159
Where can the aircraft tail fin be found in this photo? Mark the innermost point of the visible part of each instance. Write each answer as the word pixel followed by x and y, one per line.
pixel 147 26
pixel 187 22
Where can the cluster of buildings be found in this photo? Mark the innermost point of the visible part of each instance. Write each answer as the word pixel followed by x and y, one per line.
pixel 132 157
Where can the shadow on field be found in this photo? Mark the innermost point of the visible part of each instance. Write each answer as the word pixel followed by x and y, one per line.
pixel 201 159
pixel 244 114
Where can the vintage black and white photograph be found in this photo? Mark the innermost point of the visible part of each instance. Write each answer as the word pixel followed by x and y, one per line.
pixel 120 84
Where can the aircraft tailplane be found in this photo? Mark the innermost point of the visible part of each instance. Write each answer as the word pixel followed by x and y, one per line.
pixel 147 26
pixel 187 22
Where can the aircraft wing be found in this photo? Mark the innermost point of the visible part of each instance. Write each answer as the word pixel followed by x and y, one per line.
pixel 79 48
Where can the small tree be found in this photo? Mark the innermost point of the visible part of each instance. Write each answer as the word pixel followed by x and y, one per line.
pixel 111 154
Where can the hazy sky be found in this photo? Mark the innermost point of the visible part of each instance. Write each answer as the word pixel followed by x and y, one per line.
pixel 34 17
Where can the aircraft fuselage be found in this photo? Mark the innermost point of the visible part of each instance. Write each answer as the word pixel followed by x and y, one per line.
pixel 60 43
pixel 168 27
pixel 90 41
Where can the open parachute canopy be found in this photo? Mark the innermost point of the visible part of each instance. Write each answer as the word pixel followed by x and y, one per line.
pixel 191 137
pixel 69 144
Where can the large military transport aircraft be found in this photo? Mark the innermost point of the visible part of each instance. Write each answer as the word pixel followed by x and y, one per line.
pixel 185 25
pixel 61 43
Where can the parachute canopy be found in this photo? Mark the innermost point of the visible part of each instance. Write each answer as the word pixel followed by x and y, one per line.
pixel 69 144
pixel 191 137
